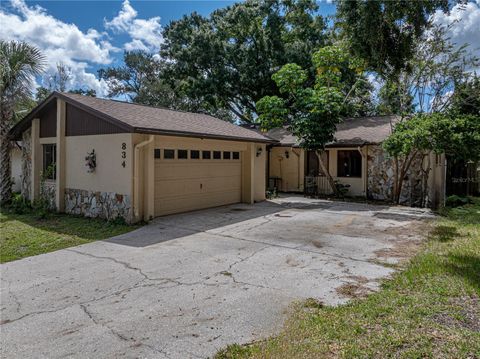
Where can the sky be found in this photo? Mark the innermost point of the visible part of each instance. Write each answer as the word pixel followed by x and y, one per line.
pixel 88 35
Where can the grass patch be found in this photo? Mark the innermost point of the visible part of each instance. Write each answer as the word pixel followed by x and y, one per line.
pixel 24 235
pixel 431 309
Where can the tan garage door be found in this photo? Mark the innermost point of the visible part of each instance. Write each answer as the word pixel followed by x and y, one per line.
pixel 196 182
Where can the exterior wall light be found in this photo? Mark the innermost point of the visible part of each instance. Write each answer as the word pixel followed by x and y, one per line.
pixel 287 154
pixel 259 151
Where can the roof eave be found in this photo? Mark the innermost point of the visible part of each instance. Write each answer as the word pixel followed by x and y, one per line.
pixel 200 135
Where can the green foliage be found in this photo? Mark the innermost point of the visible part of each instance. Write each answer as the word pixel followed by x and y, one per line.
pixel 455 135
pixel 385 33
pixel 84 92
pixel 19 204
pixel 289 78
pixel 311 113
pixel 342 189
pixel 227 60
pixel 394 99
pixel 457 201
pixel 436 68
pixel 19 64
pixel 42 93
pixel 273 111
pixel 466 98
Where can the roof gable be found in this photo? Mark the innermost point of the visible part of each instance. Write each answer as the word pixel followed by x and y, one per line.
pixel 145 119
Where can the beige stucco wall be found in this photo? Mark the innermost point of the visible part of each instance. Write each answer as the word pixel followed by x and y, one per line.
pixel 357 184
pixel 290 170
pixel 16 163
pixel 260 173
pixel 138 181
pixel 253 167
pixel 109 175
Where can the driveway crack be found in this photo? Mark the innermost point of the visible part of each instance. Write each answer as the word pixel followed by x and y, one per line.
pixel 117 334
pixel 122 263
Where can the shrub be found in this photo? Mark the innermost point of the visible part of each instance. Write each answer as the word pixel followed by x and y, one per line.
pixel 457 201
pixel 19 204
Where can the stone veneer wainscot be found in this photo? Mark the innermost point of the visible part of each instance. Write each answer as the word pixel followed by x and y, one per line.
pixel 381 175
pixel 107 205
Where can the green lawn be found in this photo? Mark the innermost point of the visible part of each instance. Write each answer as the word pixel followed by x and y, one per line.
pixel 429 310
pixel 24 235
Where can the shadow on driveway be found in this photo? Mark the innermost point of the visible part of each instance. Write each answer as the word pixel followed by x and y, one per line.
pixel 175 226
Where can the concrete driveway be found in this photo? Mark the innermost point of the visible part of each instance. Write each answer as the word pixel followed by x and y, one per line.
pixel 187 285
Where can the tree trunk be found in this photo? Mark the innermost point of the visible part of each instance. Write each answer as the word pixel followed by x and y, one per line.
pixel 395 181
pixel 400 175
pixel 327 174
pixel 5 166
pixel 425 175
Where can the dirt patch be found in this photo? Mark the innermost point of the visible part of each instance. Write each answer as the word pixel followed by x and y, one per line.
pixel 401 249
pixel 292 262
pixel 358 278
pixel 353 290
pixel 468 315
pixel 317 243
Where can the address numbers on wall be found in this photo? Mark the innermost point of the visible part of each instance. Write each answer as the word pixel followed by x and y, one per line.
pixel 124 154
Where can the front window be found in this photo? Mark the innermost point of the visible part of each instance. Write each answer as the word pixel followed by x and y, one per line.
pixel 349 164
pixel 49 161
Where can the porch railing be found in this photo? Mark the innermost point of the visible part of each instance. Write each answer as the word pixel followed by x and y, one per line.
pixel 317 186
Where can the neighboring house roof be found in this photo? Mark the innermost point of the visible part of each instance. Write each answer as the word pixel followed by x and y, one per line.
pixel 356 131
pixel 145 119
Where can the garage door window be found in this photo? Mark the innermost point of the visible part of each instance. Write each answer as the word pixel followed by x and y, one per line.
pixel 206 155
pixel 217 155
pixel 194 154
pixel 236 155
pixel 156 153
pixel 182 154
pixel 168 154
pixel 226 155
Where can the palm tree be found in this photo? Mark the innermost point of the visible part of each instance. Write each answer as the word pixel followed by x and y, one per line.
pixel 19 64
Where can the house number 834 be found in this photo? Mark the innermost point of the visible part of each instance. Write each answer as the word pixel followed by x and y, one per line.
pixel 124 154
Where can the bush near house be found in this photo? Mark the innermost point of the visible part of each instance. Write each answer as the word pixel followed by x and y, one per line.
pixel 429 310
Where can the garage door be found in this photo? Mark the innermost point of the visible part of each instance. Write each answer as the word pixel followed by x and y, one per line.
pixel 187 180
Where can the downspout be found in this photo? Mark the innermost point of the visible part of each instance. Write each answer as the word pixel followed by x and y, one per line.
pixel 136 174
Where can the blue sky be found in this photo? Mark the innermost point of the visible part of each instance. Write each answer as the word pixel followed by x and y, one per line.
pixel 88 35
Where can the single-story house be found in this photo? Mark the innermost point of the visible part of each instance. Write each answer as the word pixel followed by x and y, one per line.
pixel 355 159
pixel 106 158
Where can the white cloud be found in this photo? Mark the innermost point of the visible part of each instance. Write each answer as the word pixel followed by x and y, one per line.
pixel 59 42
pixel 145 34
pixel 465 24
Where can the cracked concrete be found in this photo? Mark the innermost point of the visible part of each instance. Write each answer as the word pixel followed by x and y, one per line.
pixel 187 285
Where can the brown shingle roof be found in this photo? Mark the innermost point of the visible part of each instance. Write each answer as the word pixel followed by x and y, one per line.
pixel 355 131
pixel 364 130
pixel 145 119
pixel 283 136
